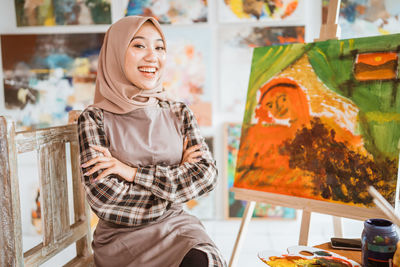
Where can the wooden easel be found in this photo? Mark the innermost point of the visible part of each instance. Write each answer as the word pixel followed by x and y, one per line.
pixel 328 31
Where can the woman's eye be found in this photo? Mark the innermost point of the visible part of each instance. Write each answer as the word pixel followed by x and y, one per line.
pixel 138 45
pixel 160 48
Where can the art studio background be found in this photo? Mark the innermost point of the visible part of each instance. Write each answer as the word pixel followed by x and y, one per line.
pixel 48 64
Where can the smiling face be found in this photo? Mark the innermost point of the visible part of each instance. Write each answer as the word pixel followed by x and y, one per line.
pixel 145 57
pixel 277 103
pixel 282 101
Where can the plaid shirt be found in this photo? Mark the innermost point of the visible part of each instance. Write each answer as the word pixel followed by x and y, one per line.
pixel 155 187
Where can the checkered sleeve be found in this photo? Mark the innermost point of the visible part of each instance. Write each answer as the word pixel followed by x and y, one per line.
pixel 112 198
pixel 214 256
pixel 181 183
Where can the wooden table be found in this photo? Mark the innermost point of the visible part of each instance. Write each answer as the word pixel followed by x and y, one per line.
pixel 354 255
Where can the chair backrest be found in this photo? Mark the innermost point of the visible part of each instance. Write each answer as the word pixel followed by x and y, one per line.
pixel 58 233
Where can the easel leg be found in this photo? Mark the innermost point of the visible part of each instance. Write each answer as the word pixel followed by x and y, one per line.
pixel 305 228
pixel 337 226
pixel 248 212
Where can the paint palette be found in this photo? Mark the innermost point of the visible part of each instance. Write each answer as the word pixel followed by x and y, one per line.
pixel 305 256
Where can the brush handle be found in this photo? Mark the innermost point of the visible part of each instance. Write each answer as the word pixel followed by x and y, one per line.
pixel 384 206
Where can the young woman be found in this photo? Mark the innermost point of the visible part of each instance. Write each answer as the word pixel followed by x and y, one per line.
pixel 143 156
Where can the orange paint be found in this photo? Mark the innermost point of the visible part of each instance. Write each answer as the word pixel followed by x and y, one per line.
pixel 382 74
pixel 360 9
pixel 189 50
pixel 283 111
pixel 376 66
pixel 287 260
pixel 286 40
pixel 290 9
pixel 281 99
pixel 343 135
pixel 376 59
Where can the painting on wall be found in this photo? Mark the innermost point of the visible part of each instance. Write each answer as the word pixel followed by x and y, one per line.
pixel 170 11
pixel 46 76
pixel 240 41
pixel 62 12
pixel 235 208
pixel 362 18
pixel 322 120
pixel 188 70
pixel 204 206
pixel 36 214
pixel 30 200
pixel 253 10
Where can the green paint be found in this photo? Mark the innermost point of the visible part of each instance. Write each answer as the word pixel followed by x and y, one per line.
pixel 333 62
pixel 276 58
pixel 378 239
pixel 322 253
pixel 339 172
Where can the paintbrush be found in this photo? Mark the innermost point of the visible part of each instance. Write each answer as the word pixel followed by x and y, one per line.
pixel 384 206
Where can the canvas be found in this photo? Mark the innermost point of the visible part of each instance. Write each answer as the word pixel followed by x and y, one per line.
pixel 234 208
pixel 362 18
pixel 62 12
pixel 187 76
pixel 322 120
pixel 47 75
pixel 170 11
pixel 239 41
pixel 254 10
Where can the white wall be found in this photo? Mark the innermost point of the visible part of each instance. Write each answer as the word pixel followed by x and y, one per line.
pixel 311 19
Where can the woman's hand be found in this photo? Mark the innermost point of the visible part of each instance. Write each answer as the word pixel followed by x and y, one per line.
pixel 109 165
pixel 191 154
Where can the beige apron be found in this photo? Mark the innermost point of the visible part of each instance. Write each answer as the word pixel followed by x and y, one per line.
pixel 147 136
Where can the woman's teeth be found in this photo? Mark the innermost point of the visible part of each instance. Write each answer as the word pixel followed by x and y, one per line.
pixel 151 70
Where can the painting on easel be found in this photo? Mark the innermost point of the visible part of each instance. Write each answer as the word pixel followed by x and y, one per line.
pixel 322 120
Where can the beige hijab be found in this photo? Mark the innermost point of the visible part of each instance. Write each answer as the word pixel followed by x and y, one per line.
pixel 114 92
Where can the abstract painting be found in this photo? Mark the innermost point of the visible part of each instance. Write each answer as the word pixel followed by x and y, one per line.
pixel 202 207
pixel 362 18
pixel 170 11
pixel 46 76
pixel 240 41
pixel 62 12
pixel 254 10
pixel 235 208
pixel 188 70
pixel 322 120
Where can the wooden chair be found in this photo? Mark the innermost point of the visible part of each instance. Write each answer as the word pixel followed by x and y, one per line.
pixel 58 233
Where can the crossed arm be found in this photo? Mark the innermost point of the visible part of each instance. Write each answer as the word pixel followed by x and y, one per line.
pixel 110 165
pixel 143 193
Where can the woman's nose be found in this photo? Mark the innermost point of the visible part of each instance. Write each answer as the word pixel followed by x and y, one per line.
pixel 150 55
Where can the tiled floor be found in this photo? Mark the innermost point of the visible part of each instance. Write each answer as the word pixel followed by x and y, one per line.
pixel 274 235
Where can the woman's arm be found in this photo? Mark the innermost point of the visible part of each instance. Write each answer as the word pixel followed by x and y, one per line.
pixel 112 198
pixel 181 183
